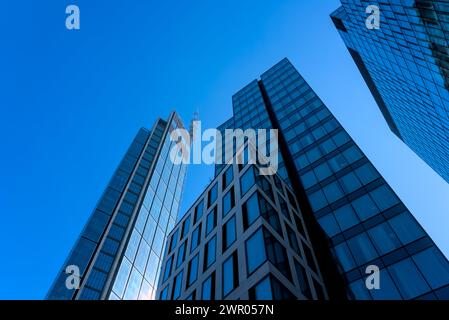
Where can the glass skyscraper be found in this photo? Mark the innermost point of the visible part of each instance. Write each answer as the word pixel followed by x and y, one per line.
pixel 351 216
pixel 405 64
pixel 119 251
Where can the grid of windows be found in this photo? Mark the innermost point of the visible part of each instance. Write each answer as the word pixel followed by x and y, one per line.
pixel 359 212
pixel 405 65
pixel 235 258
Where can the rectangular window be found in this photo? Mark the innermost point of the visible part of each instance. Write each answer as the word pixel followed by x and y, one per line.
pixel 185 227
pixel 208 292
pixel 228 201
pixel 211 221
pixel 261 291
pixel 168 267
pixel 210 252
pixel 230 274
pixel 362 249
pixel 255 251
pixel 174 240
pixel 277 254
pixel 193 270
pixel 301 274
pixel 177 286
pixel 196 238
pixel 247 181
pixel 181 254
pixel 198 211
pixel 213 192
pixel 227 177
pixel 251 210
pixel 229 233
pixel 409 280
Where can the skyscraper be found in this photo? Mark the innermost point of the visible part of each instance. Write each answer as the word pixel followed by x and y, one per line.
pixel 119 251
pixel 351 216
pixel 244 238
pixel 405 64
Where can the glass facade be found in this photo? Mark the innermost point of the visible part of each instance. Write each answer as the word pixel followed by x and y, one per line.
pixel 120 248
pixel 405 63
pixel 363 220
pixel 229 262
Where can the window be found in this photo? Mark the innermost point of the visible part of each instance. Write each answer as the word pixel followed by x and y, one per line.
pixel 346 217
pixel 168 267
pixel 362 249
pixel 333 192
pixel 308 179
pixel 181 254
pixel 177 286
pixel 292 240
pixel 255 251
pixel 313 154
pixel 359 290
pixel 247 180
pixel 196 238
pixel 164 293
pixel 329 225
pixel 261 291
pixel 251 210
pixel 208 292
pixel 406 228
pixel 317 200
pixel 230 274
pixel 276 254
pixel 337 163
pixel 142 256
pixel 211 221
pixel 341 138
pixel 350 182
pixel 367 173
pixel 384 238
pixel 174 240
pixel 210 252
pixel 193 270
pixel 213 192
pixel 227 177
pixel 388 290
pixel 344 256
pixel 229 233
pixel 302 280
pixel 434 266
pixel 228 201
pixel 198 211
pixel 322 171
pixel 185 227
pixel 365 207
pixel 408 279
pixel 269 214
pixel 384 197
pixel 352 154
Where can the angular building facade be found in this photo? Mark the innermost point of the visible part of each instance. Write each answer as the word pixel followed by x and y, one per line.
pixel 352 217
pixel 405 64
pixel 119 251
pixel 244 238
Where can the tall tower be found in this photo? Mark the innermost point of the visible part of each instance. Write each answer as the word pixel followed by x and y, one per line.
pixel 405 64
pixel 119 251
pixel 350 216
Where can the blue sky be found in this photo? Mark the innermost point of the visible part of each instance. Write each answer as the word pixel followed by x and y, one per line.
pixel 71 102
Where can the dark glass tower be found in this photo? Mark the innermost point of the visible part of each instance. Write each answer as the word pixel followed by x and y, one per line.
pixel 119 251
pixel 405 64
pixel 352 217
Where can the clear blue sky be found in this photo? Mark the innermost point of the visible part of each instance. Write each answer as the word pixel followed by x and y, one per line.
pixel 71 102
